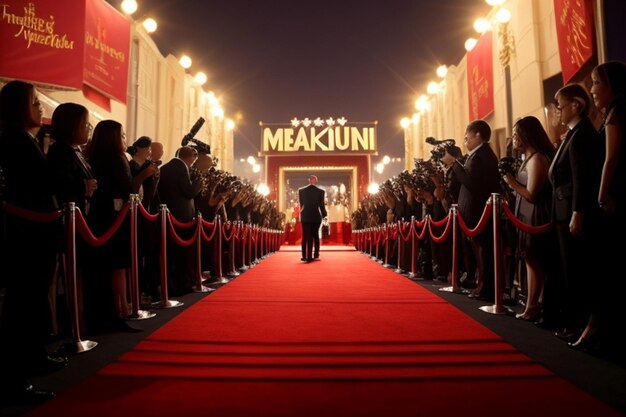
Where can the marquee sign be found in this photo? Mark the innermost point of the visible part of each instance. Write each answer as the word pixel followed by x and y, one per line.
pixel 318 137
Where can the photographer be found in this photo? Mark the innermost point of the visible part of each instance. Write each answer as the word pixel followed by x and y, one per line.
pixel 178 191
pixel 479 178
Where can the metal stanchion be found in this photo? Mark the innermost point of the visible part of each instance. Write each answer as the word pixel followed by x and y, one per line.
pixel 455 288
pixel 399 269
pixel 387 233
pixel 199 287
pixel 498 307
pixel 220 278
pixel 137 313
pixel 244 246
pixel 413 273
pixel 164 302
pixel 77 345
pixel 231 252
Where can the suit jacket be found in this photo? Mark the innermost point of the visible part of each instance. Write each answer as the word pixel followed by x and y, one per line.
pixel 575 172
pixel 69 174
pixel 312 208
pixel 177 191
pixel 28 183
pixel 479 178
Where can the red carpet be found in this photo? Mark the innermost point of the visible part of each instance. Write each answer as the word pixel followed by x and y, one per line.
pixel 339 337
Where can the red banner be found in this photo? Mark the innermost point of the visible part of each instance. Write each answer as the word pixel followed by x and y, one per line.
pixel 480 78
pixel 574 30
pixel 107 42
pixel 42 41
pixel 65 43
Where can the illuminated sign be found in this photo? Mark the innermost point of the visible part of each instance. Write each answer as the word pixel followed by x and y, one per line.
pixel 308 137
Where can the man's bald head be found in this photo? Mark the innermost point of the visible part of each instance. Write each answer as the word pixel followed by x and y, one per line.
pixel 312 179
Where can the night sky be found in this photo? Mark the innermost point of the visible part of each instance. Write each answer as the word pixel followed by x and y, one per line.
pixel 275 60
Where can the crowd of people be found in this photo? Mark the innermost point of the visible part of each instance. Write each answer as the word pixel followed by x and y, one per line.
pixel 575 186
pixel 44 169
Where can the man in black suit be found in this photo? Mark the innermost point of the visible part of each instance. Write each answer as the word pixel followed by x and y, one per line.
pixel 177 190
pixel 479 178
pixel 312 211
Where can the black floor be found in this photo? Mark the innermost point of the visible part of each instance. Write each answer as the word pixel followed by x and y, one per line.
pixel 603 378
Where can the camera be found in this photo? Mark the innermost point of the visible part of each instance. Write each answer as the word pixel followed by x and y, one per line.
pixel 443 146
pixel 200 146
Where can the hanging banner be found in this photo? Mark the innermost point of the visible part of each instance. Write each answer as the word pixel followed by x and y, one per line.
pixel 574 30
pixel 107 42
pixel 42 41
pixel 480 78
pixel 65 44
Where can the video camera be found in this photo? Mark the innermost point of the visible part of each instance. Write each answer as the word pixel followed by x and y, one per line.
pixel 443 146
pixel 189 137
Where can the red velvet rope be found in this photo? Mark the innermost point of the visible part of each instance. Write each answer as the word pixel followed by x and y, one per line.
pixel 523 226
pixel 446 231
pixel 179 241
pixel 90 238
pixel 232 230
pixel 208 225
pixel 180 224
pixel 34 216
pixel 422 224
pixel 146 215
pixel 406 226
pixel 439 223
pixel 481 224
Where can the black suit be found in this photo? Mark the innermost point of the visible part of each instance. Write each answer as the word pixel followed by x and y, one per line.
pixel 575 176
pixel 178 192
pixel 479 178
pixel 28 261
pixel 69 173
pixel 312 210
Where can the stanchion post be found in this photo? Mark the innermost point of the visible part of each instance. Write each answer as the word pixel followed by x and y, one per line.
pixel 165 302
pixel 413 272
pixel 231 251
pixel 77 345
pixel 137 314
pixel 199 287
pixel 399 269
pixel 455 288
pixel 219 276
pixel 498 306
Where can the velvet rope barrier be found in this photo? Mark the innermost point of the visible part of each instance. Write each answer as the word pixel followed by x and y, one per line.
pixel 455 288
pixel 232 272
pixel 211 226
pixel 78 345
pixel 446 231
pixel 414 246
pixel 478 229
pixel 165 302
pixel 137 313
pixel 400 243
pixel 88 236
pixel 244 245
pixel 521 225
pixel 422 234
pixel 177 239
pixel 32 216
pixel 199 287
pixel 146 215
pixel 221 279
pixel 498 306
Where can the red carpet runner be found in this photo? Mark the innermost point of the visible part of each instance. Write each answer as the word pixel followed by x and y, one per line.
pixel 339 337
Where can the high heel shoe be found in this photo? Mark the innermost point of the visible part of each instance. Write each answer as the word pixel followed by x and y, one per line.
pixel 585 344
pixel 532 314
